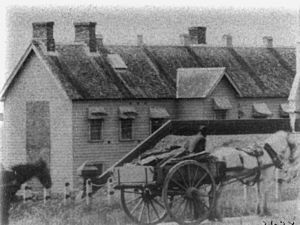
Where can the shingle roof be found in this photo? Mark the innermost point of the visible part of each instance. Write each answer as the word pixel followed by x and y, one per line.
pixel 151 70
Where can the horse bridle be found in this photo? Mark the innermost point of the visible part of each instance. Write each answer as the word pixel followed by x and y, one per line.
pixel 274 156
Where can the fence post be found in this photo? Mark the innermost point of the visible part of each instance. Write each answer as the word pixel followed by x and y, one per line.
pixel 27 193
pixel 24 194
pixel 110 190
pixel 67 192
pixel 277 185
pixel 88 190
pixel 46 195
pixel 245 193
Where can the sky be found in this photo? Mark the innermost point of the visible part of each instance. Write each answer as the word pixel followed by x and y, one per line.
pixel 160 22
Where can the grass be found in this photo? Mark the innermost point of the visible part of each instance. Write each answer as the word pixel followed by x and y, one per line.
pixel 55 212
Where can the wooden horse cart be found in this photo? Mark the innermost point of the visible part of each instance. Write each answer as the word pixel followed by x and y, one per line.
pixel 181 188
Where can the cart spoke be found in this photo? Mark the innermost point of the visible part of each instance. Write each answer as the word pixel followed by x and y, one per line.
pixel 195 176
pixel 176 192
pixel 178 184
pixel 132 200
pixel 133 192
pixel 155 210
pixel 136 206
pixel 189 175
pixel 185 207
pixel 141 212
pixel 188 209
pixel 200 180
pixel 183 178
pixel 158 203
pixel 148 213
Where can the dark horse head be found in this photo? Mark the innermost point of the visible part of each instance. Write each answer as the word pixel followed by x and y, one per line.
pixel 11 181
pixel 39 169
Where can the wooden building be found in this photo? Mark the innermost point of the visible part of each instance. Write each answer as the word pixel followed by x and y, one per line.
pixel 75 102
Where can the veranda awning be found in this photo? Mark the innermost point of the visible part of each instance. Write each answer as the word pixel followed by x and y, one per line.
pixel 158 113
pixel 261 110
pixel 221 103
pixel 127 112
pixel 96 113
pixel 284 110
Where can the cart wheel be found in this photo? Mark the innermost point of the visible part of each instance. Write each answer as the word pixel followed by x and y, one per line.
pixel 142 205
pixel 191 188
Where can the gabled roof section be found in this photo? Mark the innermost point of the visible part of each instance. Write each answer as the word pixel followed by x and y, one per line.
pixel 151 71
pixel 271 72
pixel 199 82
pixel 16 69
pixel 170 58
pixel 225 57
pixel 142 78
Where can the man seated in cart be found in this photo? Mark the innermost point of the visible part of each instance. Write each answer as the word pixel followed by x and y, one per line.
pixel 198 142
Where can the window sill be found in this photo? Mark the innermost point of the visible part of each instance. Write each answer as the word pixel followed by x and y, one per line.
pixel 126 140
pixel 96 141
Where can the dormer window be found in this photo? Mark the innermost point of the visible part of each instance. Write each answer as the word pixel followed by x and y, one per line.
pixel 116 62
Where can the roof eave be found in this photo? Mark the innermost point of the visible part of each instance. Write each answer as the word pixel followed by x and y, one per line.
pixel 233 84
pixel 215 84
pixel 15 71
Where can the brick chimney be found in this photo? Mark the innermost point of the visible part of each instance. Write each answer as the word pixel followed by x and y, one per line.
pixel 227 38
pixel 140 40
pixel 197 35
pixel 86 32
pixel 43 31
pixel 268 41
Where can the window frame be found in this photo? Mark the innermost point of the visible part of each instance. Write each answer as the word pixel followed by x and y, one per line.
pixel 120 130
pixel 223 114
pixel 90 130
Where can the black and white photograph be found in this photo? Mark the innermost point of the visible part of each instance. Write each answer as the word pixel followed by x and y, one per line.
pixel 150 112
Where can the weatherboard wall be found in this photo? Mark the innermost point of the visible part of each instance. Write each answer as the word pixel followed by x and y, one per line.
pixel 110 149
pixel 35 84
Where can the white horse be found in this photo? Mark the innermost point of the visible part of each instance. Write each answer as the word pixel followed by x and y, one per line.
pixel 280 151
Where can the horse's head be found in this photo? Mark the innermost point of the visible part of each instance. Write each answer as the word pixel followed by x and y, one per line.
pixel 43 173
pixel 281 148
pixel 287 149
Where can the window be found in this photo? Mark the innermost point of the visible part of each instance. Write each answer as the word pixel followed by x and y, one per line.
pixel 221 105
pixel 158 116
pixel 96 130
pixel 156 123
pixel 116 61
pixel 220 114
pixel 126 129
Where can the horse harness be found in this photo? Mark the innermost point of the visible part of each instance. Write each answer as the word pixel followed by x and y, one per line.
pixel 257 171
